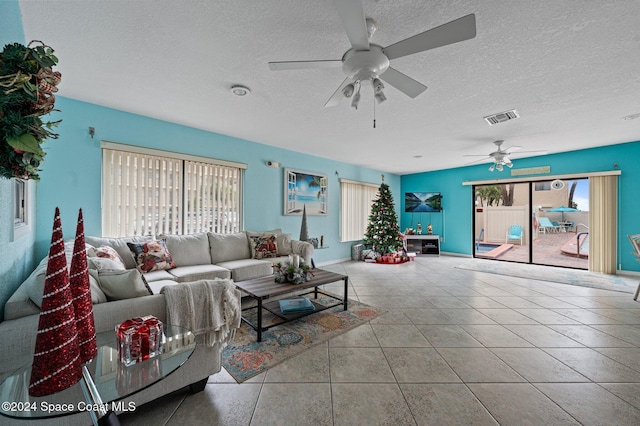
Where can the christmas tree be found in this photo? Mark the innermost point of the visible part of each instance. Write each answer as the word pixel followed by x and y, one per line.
pixel 383 233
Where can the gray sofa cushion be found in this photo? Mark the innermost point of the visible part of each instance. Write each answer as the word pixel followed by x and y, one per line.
pixel 118 285
pixel 156 286
pixel 188 250
pixel 225 247
pixel 120 244
pixel 158 275
pixel 199 272
pixel 246 269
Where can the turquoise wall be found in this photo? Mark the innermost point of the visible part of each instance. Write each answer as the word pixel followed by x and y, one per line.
pixel 71 174
pixel 458 200
pixel 16 257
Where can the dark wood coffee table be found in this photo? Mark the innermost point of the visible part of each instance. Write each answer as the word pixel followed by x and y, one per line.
pixel 264 288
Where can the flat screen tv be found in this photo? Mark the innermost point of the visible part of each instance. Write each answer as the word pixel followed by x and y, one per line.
pixel 422 202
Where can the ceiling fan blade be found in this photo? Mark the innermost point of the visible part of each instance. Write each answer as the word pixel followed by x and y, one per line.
pixel 452 32
pixel 476 155
pixel 403 83
pixel 299 65
pixel 352 15
pixel 478 161
pixel 337 95
pixel 540 151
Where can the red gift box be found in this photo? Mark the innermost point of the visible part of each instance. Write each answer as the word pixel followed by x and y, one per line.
pixel 139 339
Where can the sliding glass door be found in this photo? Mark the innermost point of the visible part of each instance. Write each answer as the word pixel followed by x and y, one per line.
pixel 561 212
pixel 502 222
pixel 540 222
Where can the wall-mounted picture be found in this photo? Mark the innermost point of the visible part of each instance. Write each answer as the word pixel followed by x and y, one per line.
pixel 305 190
pixel 422 202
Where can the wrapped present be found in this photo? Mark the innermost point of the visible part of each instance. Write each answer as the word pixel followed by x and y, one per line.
pixel 139 339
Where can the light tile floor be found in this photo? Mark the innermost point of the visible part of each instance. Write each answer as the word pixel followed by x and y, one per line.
pixel 456 347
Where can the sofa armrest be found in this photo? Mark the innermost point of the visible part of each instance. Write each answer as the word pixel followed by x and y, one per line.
pixel 303 249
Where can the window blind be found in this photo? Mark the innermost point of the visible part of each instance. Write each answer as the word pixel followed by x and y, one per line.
pixel 355 207
pixel 145 194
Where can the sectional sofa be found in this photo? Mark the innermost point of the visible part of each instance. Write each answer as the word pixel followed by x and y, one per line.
pixel 120 291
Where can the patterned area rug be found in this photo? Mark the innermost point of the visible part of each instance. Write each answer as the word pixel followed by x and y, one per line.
pixel 244 358
pixel 559 275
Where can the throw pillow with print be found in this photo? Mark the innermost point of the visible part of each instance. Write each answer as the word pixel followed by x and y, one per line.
pixel 264 246
pixel 152 255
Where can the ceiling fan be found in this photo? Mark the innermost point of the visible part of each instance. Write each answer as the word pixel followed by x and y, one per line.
pixel 367 63
pixel 501 156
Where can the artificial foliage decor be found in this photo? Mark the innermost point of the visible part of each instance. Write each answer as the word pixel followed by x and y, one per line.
pixel 289 273
pixel 27 87
pixel 383 233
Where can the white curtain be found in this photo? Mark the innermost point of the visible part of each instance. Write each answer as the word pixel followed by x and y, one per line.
pixel 355 207
pixel 603 226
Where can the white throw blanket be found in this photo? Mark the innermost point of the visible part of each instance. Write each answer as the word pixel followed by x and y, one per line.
pixel 208 307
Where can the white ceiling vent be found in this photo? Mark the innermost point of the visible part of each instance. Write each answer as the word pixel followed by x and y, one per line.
pixel 501 117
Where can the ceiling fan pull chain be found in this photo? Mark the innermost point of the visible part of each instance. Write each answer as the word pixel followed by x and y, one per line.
pixel 374 113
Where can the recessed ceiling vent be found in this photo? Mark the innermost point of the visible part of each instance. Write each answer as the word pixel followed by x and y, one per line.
pixel 501 117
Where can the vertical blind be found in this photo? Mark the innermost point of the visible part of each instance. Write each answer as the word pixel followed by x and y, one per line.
pixel 355 207
pixel 603 223
pixel 144 194
pixel 213 198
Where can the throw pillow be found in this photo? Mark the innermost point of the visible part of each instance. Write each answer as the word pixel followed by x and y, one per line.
pixel 106 252
pixel 118 285
pixel 264 246
pixel 35 285
pixel 103 264
pixel 152 255
pixel 284 244
pixel 282 240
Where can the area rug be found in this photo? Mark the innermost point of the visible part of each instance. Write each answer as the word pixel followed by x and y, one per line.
pixel 244 358
pixel 558 275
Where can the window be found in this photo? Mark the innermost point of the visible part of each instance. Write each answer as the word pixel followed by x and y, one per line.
pixel 20 201
pixel 543 186
pixel 144 193
pixel 355 208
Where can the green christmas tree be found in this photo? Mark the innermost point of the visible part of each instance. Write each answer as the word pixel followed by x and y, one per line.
pixel 383 233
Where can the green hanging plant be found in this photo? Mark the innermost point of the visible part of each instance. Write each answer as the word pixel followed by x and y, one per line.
pixel 27 87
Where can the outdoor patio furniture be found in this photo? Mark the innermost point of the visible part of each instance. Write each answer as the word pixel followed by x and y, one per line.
pixel 514 233
pixel 544 225
pixel 635 242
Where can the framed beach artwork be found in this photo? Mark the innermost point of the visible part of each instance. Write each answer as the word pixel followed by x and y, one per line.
pixel 305 190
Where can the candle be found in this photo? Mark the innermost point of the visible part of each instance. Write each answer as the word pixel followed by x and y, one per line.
pixel 296 260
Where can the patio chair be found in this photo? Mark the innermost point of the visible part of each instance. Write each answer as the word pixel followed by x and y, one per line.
pixel 544 225
pixel 635 243
pixel 514 233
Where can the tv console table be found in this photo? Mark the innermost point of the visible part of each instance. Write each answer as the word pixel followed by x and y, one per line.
pixel 423 245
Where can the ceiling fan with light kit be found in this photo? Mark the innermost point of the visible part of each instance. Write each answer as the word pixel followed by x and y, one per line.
pixel 366 63
pixel 501 156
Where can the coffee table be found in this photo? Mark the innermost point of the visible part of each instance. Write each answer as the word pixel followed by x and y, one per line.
pixel 105 378
pixel 264 288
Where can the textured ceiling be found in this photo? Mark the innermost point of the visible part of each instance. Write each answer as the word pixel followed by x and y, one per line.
pixel 570 68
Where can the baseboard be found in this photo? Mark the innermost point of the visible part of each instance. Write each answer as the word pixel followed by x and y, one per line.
pixel 453 254
pixel 333 262
pixel 628 273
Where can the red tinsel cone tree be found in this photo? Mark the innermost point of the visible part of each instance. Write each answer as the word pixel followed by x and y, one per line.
pixel 81 293
pixel 56 361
